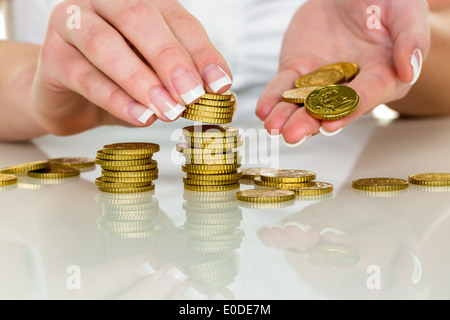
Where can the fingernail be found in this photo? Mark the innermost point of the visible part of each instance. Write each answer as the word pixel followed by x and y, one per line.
pixel 163 101
pixel 304 227
pixel 329 133
pixel 194 294
pixel 216 77
pixel 275 226
pixel 146 270
pixel 416 274
pixel 274 134
pixel 187 86
pixel 177 274
pixel 333 230
pixel 416 63
pixel 139 112
pixel 298 143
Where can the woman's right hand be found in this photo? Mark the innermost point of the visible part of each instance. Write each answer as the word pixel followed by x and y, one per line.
pixel 88 75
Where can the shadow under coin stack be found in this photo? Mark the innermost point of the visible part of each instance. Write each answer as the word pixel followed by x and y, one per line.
pixel 212 158
pixel 212 108
pixel 127 168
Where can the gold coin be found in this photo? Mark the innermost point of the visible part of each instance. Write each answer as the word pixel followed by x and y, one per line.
pixel 332 102
pixel 184 147
pixel 131 148
pixel 128 190
pixel 265 195
pixel 209 182
pixel 212 188
pixel 217 103
pixel 7 180
pixel 287 176
pixel 298 95
pixel 123 163
pixel 210 109
pixel 108 184
pixel 266 206
pixel 145 167
pixel 214 177
pixel 252 173
pixel 431 179
pixel 333 256
pixel 225 146
pixel 25 167
pixel 350 69
pixel 380 184
pixel 206 119
pixel 193 168
pixel 121 157
pixel 130 174
pixel 132 180
pixel 79 163
pixel 197 113
pixel 219 156
pixel 227 95
pixel 313 188
pixel 213 160
pixel 320 78
pixel 54 173
pixel 210 131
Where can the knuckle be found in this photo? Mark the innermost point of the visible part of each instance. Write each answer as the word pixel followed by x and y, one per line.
pixel 137 10
pixel 166 53
pixel 93 38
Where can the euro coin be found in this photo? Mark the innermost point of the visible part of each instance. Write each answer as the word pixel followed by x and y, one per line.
pixel 210 109
pixel 298 95
pixel 132 180
pixel 209 182
pixel 78 163
pixel 123 163
pixel 332 102
pixel 320 78
pixel 25 167
pixel 184 147
pixel 130 174
pixel 144 167
pixel 430 179
pixel 131 148
pixel 108 184
pixel 380 184
pixel 313 188
pixel 265 195
pixel 288 176
pixel 210 131
pixel 127 190
pixel 7 180
pixel 350 69
pixel 227 95
pixel 252 173
pixel 206 119
pixel 213 169
pixel 197 113
pixel 214 177
pixel 121 157
pixel 333 256
pixel 217 103
pixel 212 188
pixel 54 173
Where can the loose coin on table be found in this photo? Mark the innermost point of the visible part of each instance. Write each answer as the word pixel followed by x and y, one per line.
pixel 7 180
pixel 25 167
pixel 54 173
pixel 380 184
pixel 79 163
pixel 265 195
pixel 430 179
pixel 287 176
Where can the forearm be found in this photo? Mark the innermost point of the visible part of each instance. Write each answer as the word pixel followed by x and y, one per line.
pixel 18 66
pixel 430 96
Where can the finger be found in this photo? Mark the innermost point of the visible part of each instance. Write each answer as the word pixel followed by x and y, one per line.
pixel 142 24
pixel 191 34
pixel 272 94
pixel 278 117
pixel 410 31
pixel 105 48
pixel 300 127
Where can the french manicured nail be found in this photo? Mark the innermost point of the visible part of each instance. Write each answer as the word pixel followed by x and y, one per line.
pixel 416 64
pixel 187 86
pixel 194 294
pixel 305 138
pixel 216 77
pixel 139 112
pixel 177 274
pixel 145 270
pixel 328 133
pixel 302 226
pixel 333 230
pixel 416 274
pixel 163 101
pixel 275 134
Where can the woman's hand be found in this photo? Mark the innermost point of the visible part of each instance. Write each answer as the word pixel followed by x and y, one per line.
pixel 328 31
pixel 89 76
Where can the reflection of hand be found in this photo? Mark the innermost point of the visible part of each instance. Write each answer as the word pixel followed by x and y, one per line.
pixel 325 31
pixel 377 238
pixel 87 73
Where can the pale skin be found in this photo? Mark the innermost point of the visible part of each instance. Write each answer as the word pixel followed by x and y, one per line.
pixel 81 79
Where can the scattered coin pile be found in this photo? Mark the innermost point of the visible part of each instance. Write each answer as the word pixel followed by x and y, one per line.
pixel 127 168
pixel 212 108
pixel 211 158
pixel 128 216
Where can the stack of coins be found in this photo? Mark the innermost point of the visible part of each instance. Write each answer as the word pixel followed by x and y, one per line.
pixel 212 158
pixel 128 216
pixel 127 167
pixel 212 108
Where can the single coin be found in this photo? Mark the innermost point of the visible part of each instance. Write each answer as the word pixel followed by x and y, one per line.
pixel 320 78
pixel 197 113
pixel 131 148
pixel 7 180
pixel 184 147
pixel 108 184
pixel 430 179
pixel 313 188
pixel 214 177
pixel 206 119
pixel 121 157
pixel 54 173
pixel 216 145
pixel 213 160
pixel 212 188
pixel 252 173
pixel 298 95
pixel 123 163
pixel 350 69
pixel 332 102
pixel 145 167
pixel 380 184
pixel 333 256
pixel 287 176
pixel 210 109
pixel 227 95
pixel 265 195
pixel 210 131
pixel 79 163
pixel 193 168
pixel 217 103
pixel 128 190
pixel 209 182
pixel 25 167
pixel 146 180
pixel 130 174
pixel 266 205
pixel 279 185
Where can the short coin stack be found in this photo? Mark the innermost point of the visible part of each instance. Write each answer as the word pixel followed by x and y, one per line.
pixel 127 167
pixel 212 108
pixel 212 158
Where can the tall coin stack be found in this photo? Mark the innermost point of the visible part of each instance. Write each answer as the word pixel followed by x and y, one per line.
pixel 127 168
pixel 212 108
pixel 212 158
